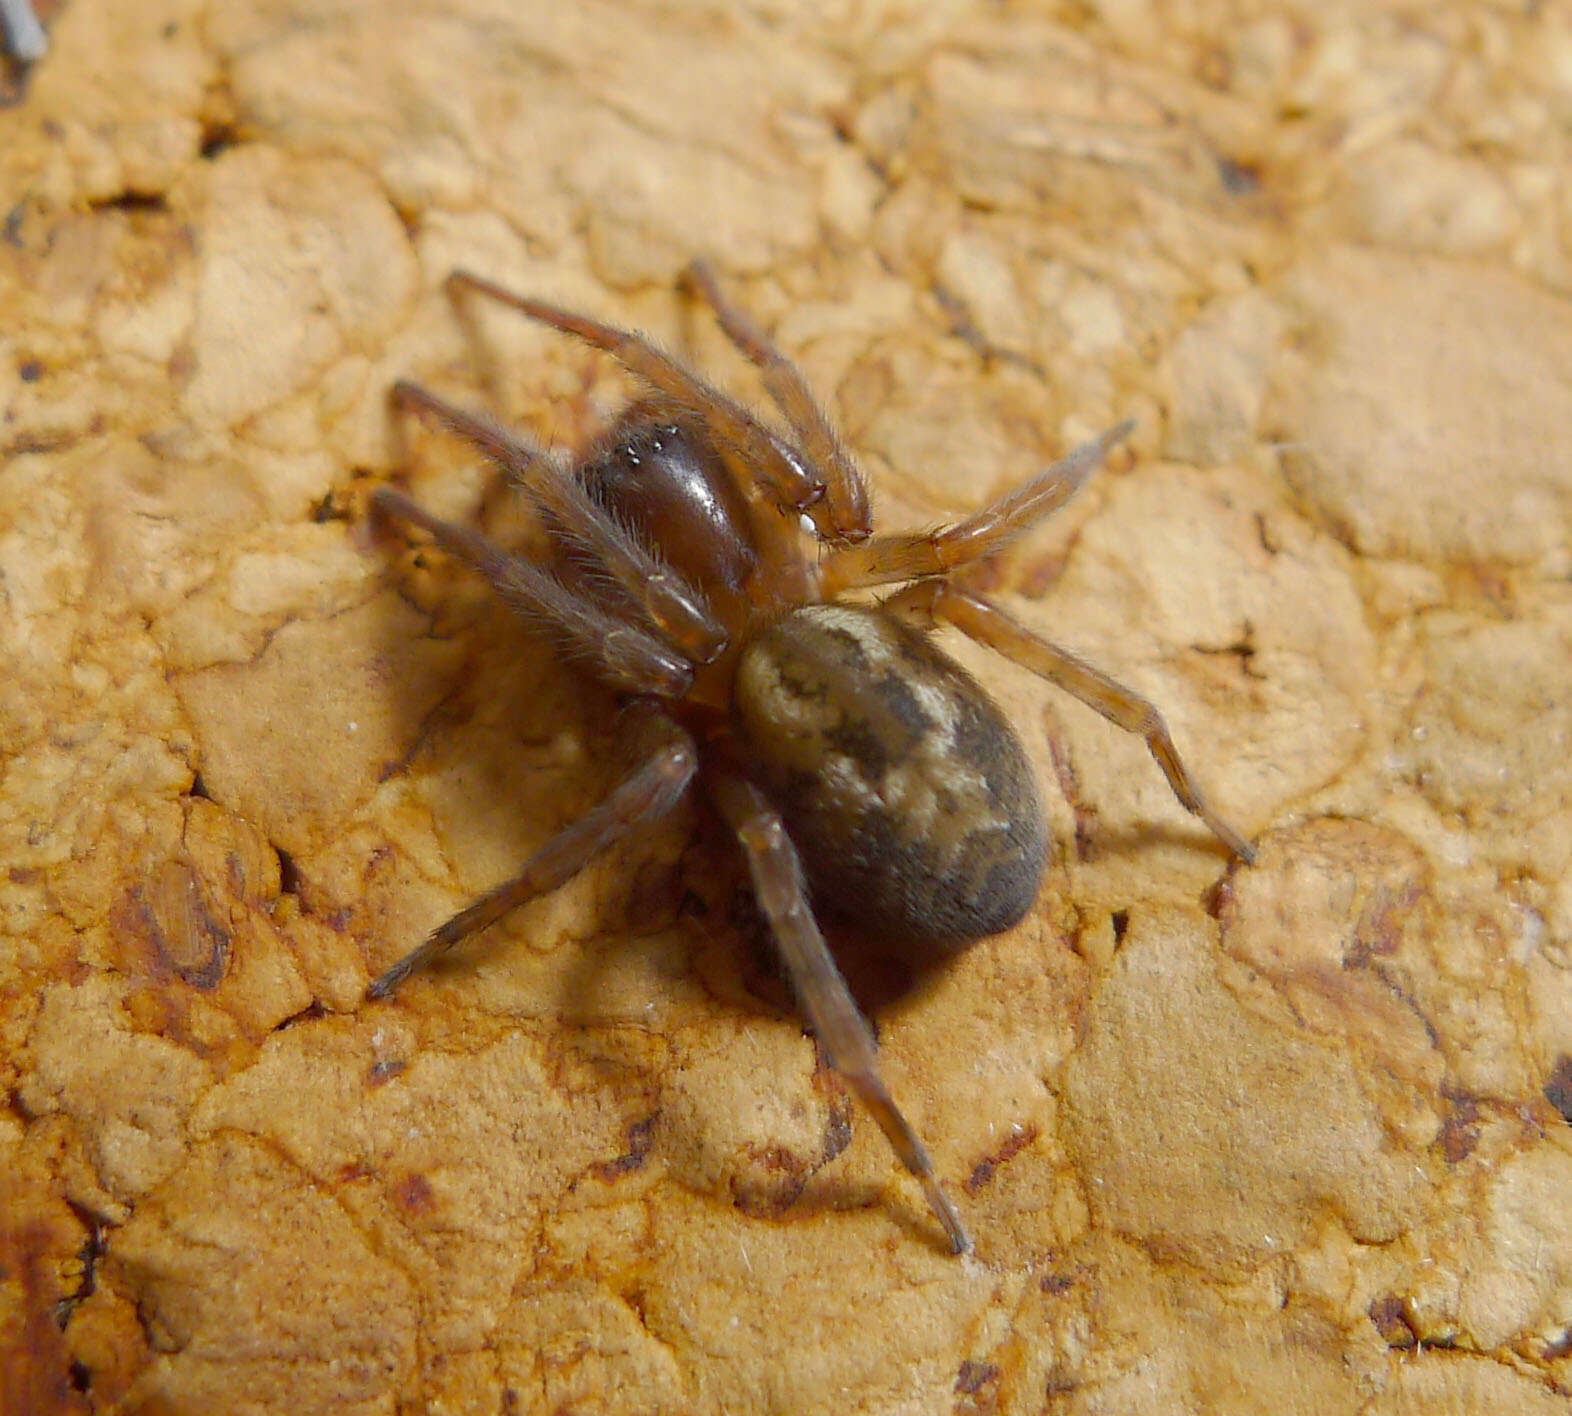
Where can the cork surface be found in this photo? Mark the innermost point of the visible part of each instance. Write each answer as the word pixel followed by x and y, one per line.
pixel 1289 1137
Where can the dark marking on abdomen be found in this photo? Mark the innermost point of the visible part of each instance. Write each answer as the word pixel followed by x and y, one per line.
pixel 905 790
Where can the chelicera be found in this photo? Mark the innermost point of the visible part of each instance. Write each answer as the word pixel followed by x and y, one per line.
pixel 697 564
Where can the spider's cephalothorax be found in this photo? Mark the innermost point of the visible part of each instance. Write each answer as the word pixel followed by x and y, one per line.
pixel 859 766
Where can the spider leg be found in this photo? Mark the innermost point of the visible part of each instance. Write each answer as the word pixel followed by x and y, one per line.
pixel 975 617
pixel 638 802
pixel 749 449
pixel 907 557
pixel 621 654
pixel 672 607
pixel 845 495
pixel 842 1032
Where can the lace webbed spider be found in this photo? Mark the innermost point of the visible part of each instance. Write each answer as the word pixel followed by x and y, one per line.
pixel 853 760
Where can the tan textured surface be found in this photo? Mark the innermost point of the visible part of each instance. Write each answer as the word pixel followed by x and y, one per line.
pixel 1231 1140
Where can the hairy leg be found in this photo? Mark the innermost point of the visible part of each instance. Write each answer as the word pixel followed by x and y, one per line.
pixel 822 992
pixel 845 496
pixel 752 453
pixel 620 654
pixel 636 803
pixel 671 607
pixel 974 616
pixel 886 559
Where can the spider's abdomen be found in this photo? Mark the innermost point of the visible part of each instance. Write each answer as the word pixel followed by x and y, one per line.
pixel 901 783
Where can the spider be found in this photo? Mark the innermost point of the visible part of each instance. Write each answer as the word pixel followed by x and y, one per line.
pixel 697 565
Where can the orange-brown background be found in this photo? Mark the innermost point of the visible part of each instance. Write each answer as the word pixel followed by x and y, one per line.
pixel 1231 1140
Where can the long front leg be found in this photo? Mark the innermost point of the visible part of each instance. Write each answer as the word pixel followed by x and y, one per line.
pixel 906 556
pixel 620 653
pixel 640 801
pixel 845 496
pixel 988 624
pixel 749 449
pixel 832 1013
pixel 673 609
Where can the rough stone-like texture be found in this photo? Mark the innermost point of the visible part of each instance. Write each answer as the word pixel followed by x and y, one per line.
pixel 1286 1138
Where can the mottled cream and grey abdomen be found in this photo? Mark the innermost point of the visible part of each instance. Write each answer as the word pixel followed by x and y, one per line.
pixel 902 785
